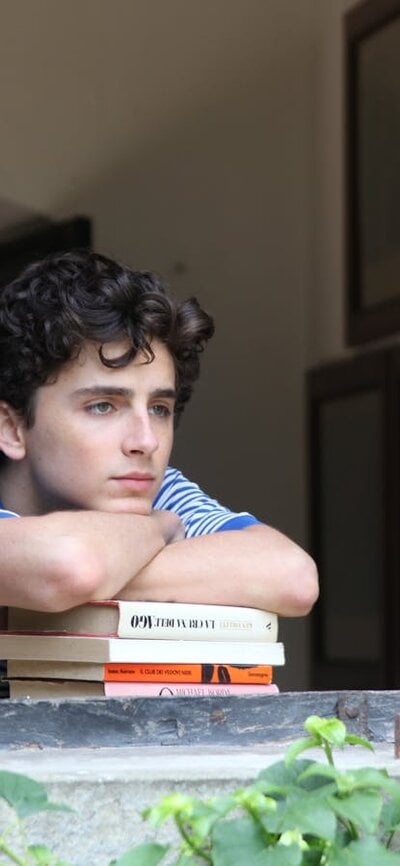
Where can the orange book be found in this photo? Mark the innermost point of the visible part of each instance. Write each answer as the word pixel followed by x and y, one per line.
pixel 189 673
pixel 214 674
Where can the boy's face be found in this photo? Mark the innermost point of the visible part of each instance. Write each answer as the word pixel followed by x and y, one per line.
pixel 102 436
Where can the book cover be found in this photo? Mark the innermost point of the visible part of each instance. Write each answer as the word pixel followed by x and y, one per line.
pixel 160 673
pixel 176 673
pixel 50 689
pixel 156 620
pixel 58 670
pixel 108 649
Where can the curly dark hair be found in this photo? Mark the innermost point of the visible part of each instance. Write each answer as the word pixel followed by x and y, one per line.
pixel 60 302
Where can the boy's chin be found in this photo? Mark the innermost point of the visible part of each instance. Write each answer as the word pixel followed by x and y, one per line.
pixel 129 506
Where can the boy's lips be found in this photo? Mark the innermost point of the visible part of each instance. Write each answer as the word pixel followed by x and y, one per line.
pixel 135 481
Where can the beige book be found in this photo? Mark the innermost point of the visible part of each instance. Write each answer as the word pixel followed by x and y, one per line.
pixel 153 620
pixel 55 670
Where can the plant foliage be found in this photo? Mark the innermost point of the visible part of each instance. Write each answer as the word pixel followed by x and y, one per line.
pixel 298 812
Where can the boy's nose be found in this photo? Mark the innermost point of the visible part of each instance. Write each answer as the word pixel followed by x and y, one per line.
pixel 140 437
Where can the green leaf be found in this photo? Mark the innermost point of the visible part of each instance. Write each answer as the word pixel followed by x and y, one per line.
pixel 369 777
pixel 299 746
pixel 364 852
pixel 186 860
pixel 293 837
pixel 353 740
pixel 390 816
pixel 42 856
pixel 26 796
pixel 280 778
pixel 252 800
pixel 279 856
pixel 362 808
pixel 333 731
pixel 220 805
pixel 168 807
pixel 204 814
pixel 237 843
pixel 147 854
pixel 353 780
pixel 310 814
pixel 326 771
pixel 313 857
pixel 372 778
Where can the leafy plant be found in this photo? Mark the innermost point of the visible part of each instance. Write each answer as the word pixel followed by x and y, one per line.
pixel 298 812
pixel 26 797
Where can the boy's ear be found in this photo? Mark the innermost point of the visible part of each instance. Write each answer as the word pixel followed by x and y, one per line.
pixel 12 432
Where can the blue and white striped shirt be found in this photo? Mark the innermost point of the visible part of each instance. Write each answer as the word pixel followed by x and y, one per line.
pixel 200 515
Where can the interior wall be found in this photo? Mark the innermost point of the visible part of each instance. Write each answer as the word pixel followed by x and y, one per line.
pixel 185 131
pixel 326 299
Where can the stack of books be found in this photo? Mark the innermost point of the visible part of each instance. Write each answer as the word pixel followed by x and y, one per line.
pixel 128 648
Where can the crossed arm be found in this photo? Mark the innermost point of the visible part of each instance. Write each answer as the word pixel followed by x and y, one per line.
pixel 59 560
pixel 255 567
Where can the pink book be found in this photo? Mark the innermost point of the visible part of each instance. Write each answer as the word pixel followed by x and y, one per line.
pixel 189 690
pixel 49 689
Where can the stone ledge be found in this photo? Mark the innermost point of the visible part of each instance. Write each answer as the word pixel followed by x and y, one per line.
pixel 249 721
pixel 176 764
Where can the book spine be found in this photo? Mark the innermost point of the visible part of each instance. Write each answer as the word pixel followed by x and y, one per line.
pixel 152 620
pixel 241 624
pixel 190 673
pixel 160 690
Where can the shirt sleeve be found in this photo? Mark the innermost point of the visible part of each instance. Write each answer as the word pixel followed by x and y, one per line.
pixel 199 513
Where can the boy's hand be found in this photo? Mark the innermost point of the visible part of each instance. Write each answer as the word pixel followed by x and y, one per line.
pixel 170 525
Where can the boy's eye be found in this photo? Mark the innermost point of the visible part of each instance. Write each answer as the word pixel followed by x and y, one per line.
pixel 160 411
pixel 102 407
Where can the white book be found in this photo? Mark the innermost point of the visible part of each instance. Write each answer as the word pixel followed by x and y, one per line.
pixel 108 649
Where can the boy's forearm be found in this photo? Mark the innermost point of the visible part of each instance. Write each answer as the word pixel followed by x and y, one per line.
pixel 67 558
pixel 255 567
pixel 63 559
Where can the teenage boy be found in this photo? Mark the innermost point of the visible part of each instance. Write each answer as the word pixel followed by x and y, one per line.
pixel 96 364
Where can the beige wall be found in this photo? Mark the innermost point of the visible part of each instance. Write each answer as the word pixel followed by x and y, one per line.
pixel 185 130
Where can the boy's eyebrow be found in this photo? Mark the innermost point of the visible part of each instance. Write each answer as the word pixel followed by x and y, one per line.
pixel 113 391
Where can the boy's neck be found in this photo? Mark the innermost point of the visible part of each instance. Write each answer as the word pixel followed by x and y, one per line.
pixel 16 491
